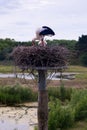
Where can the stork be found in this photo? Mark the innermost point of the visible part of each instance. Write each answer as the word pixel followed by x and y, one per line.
pixel 41 33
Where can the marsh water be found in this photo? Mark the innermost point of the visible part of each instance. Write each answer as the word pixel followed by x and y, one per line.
pixel 18 118
pixel 53 76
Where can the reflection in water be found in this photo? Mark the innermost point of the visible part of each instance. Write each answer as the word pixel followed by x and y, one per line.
pixel 11 125
pixel 17 118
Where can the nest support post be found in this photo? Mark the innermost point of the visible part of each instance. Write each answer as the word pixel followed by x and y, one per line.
pixel 42 101
pixel 41 59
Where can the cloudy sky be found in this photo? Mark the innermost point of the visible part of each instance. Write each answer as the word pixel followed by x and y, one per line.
pixel 20 18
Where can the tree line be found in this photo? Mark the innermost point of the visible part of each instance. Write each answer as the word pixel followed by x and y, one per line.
pixel 77 48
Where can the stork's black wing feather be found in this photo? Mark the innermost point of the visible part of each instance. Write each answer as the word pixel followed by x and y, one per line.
pixel 47 31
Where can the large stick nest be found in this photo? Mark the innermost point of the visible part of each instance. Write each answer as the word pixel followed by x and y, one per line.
pixel 38 56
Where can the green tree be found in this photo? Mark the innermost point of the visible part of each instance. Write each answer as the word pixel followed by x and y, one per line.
pixel 81 48
pixel 81 45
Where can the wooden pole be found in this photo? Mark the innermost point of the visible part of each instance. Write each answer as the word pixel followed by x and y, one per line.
pixel 42 101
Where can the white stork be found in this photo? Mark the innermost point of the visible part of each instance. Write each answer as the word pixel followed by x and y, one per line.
pixel 41 33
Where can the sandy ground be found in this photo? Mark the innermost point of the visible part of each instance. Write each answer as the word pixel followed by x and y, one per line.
pixel 18 118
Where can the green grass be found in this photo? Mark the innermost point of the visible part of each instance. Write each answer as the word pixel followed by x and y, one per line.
pixel 82 72
pixel 78 69
pixel 82 76
pixel 81 125
pixel 6 69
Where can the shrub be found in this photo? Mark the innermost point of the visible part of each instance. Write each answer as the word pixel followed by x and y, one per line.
pixel 63 116
pixel 11 95
pixel 53 92
pixel 64 93
pixel 60 116
pixel 83 59
pixel 79 103
pixel 60 92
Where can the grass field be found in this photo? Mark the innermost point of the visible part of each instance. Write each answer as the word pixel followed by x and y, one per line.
pixel 78 69
pixel 6 69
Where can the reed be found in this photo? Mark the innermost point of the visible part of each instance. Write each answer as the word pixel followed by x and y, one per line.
pixel 11 95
